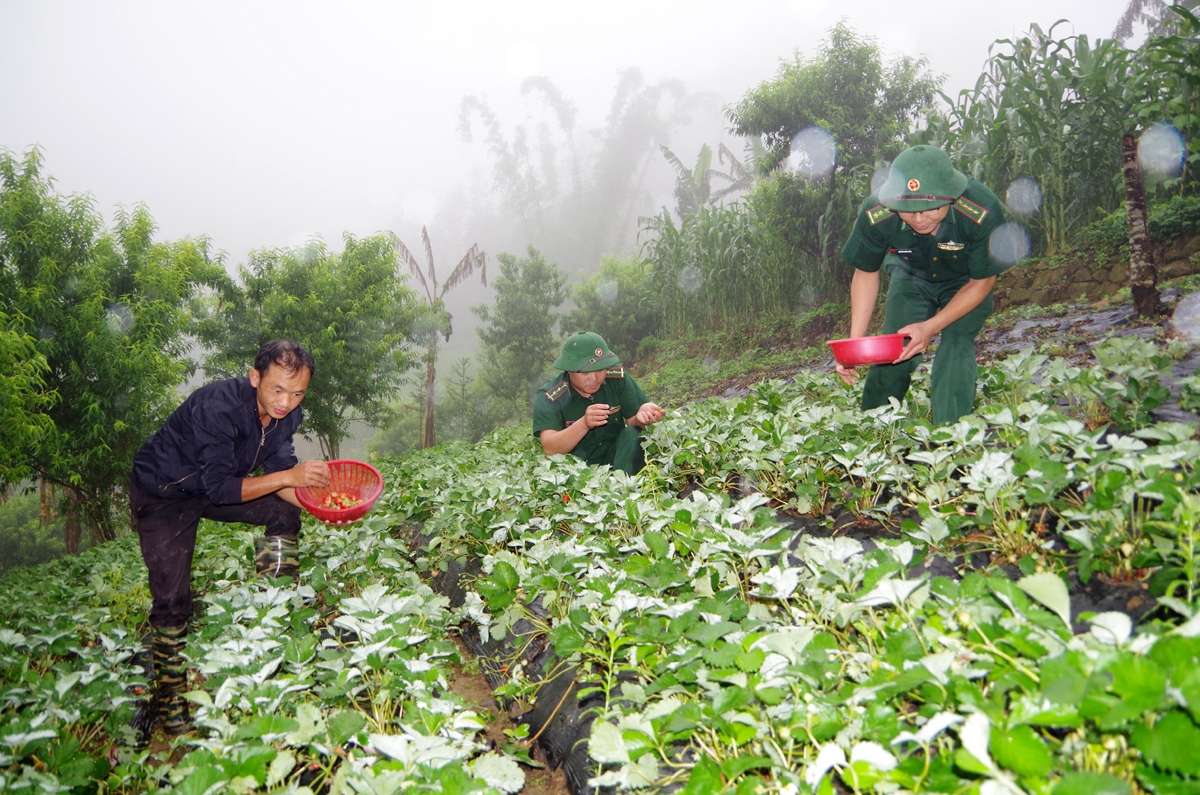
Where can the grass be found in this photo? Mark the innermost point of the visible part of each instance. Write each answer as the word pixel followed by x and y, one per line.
pixel 694 365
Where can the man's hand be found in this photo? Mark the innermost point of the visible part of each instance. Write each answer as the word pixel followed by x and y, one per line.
pixel 847 374
pixel 920 335
pixel 310 474
pixel 648 414
pixel 595 416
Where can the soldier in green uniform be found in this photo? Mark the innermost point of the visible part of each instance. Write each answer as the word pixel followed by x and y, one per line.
pixel 593 409
pixel 929 226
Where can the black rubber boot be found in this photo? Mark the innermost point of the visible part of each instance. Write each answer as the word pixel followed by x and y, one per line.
pixel 277 556
pixel 170 679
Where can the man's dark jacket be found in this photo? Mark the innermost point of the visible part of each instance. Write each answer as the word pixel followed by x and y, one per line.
pixel 213 441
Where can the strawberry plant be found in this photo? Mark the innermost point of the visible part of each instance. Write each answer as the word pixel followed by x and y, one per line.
pixel 705 642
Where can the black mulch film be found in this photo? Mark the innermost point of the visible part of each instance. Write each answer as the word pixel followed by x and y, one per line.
pixel 560 719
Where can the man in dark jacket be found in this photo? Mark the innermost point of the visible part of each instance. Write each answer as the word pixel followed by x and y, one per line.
pixel 202 464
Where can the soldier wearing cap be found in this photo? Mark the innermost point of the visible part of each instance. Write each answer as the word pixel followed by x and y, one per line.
pixel 593 409
pixel 929 227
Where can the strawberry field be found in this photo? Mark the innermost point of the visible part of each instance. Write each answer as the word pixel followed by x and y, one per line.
pixel 794 597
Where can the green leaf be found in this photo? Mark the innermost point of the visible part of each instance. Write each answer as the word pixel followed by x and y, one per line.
pixel 1051 591
pixel 1020 750
pixel 732 768
pixel 1172 744
pixel 1089 783
pixel 268 728
pixel 281 767
pixel 1140 683
pixel 708 634
pixel 657 543
pixel 201 781
pixel 499 771
pixel 705 778
pixel 505 576
pixel 343 725
pixel 606 745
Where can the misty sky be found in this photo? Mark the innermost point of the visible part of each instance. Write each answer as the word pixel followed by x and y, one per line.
pixel 263 123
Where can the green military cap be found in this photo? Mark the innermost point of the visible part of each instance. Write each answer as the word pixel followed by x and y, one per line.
pixel 921 178
pixel 585 352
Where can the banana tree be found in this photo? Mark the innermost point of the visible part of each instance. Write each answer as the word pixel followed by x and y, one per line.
pixel 438 318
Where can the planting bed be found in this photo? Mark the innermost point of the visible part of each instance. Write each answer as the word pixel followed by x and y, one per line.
pixel 794 597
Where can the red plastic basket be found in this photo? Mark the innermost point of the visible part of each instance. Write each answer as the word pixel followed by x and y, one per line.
pixel 351 477
pixel 880 349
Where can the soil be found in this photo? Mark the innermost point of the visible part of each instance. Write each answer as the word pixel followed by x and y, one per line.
pixel 475 690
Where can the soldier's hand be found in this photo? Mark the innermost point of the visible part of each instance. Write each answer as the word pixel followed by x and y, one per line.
pixel 311 474
pixel 919 336
pixel 648 414
pixel 847 374
pixel 596 415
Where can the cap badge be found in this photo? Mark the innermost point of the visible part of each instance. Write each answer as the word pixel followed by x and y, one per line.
pixel 599 351
pixel 914 184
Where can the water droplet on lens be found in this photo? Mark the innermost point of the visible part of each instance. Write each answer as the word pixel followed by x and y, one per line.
pixel 1024 196
pixel 711 365
pixel 607 291
pixel 46 333
pixel 1161 150
pixel 814 152
pixel 118 318
pixel 1009 243
pixel 806 298
pixel 879 178
pixel 690 279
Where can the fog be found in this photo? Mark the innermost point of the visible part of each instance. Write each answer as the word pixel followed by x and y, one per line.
pixel 264 124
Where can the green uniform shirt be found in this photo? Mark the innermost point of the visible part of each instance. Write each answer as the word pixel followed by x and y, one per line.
pixel 558 405
pixel 958 251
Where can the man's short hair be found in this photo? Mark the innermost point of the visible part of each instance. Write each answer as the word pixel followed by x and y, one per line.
pixel 286 354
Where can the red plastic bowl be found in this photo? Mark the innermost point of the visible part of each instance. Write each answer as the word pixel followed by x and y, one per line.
pixel 880 349
pixel 351 477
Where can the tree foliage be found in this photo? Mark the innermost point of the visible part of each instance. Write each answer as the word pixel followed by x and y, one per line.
pixel 1168 80
pixel 25 539
pixel 618 303
pixel 22 401
pixel 1156 15
pixel 848 89
pixel 352 310
pixel 108 310
pixel 866 105
pixel 518 338
pixel 574 191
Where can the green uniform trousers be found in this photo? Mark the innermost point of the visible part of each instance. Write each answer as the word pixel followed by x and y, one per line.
pixel 625 453
pixel 911 300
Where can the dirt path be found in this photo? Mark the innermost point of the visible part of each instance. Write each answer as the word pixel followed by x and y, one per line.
pixel 474 689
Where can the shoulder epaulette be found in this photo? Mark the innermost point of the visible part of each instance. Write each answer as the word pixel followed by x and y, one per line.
pixel 970 209
pixel 878 213
pixel 615 372
pixel 557 391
